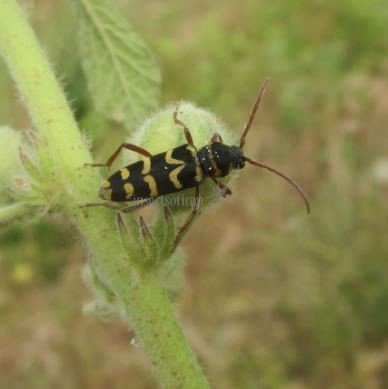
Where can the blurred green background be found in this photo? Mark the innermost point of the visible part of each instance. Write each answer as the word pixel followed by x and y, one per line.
pixel 274 298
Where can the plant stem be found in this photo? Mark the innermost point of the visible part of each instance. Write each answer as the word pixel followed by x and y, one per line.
pixel 145 302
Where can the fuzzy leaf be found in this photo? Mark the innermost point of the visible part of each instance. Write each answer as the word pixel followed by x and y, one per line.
pixel 10 166
pixel 13 211
pixel 122 76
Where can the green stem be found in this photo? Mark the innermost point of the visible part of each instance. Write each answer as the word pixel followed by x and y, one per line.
pixel 144 300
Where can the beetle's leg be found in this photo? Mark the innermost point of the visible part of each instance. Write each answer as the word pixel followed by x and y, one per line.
pixel 128 146
pixel 127 209
pixel 182 231
pixel 225 190
pixel 132 208
pixel 188 136
pixel 106 205
pixel 216 138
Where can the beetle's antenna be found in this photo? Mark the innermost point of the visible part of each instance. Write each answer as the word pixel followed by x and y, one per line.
pixel 253 113
pixel 293 183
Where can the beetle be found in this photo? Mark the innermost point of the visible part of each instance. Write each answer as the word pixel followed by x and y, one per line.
pixel 178 169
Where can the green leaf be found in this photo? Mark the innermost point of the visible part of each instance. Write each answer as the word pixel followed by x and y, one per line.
pixel 122 76
pixel 10 166
pixel 13 211
pixel 11 169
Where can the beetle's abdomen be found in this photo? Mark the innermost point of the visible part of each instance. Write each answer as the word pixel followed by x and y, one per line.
pixel 163 173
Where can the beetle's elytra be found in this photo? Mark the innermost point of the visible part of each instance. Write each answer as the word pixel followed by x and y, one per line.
pixel 157 175
pixel 180 168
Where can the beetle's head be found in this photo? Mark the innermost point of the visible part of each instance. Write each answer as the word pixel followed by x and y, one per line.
pixel 237 157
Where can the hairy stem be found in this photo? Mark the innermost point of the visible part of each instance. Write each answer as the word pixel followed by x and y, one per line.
pixel 145 302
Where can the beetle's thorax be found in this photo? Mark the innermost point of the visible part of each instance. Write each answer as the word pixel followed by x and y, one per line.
pixel 218 159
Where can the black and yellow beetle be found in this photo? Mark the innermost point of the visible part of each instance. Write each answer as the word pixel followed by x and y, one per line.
pixel 177 169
